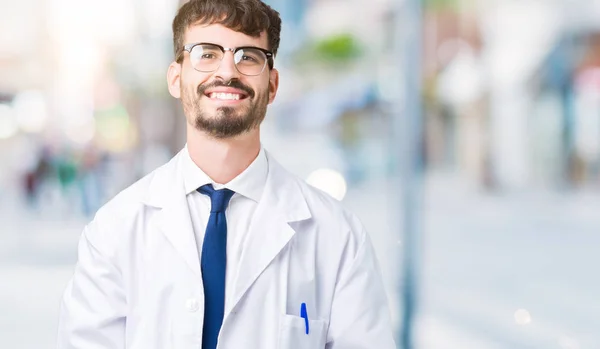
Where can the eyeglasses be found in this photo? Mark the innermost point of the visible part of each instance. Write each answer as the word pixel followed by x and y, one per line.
pixel 249 60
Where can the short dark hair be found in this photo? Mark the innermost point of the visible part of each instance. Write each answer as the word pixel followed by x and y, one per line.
pixel 250 17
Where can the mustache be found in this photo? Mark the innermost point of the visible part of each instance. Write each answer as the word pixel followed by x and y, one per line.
pixel 232 83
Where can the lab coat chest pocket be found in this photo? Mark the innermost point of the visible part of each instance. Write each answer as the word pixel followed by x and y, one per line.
pixel 292 333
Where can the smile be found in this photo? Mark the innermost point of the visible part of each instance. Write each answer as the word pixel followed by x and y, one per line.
pixel 226 96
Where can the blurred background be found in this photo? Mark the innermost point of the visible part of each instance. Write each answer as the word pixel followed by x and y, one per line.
pixel 464 133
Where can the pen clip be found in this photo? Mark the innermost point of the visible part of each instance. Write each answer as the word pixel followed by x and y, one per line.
pixel 304 314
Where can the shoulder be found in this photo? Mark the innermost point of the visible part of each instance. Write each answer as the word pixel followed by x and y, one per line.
pixel 327 213
pixel 331 213
pixel 138 194
pixel 127 200
pixel 335 233
pixel 110 226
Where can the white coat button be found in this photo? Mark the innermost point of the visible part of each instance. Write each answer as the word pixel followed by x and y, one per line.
pixel 192 305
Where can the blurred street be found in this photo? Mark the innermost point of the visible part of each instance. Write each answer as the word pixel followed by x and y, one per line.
pixel 485 258
pixel 493 106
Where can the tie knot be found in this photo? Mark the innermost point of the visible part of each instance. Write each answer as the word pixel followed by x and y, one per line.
pixel 218 198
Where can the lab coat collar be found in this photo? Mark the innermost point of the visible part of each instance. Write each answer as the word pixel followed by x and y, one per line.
pixel 282 203
pixel 250 183
pixel 167 192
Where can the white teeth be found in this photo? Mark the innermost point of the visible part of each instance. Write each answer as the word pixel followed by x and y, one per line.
pixel 226 96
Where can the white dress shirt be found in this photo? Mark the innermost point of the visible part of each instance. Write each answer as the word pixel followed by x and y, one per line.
pixel 248 188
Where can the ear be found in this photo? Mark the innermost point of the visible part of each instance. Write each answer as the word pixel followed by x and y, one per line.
pixel 174 79
pixel 273 84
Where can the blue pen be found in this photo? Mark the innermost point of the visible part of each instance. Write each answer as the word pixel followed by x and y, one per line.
pixel 304 314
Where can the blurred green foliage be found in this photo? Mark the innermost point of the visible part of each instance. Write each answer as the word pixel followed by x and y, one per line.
pixel 337 48
pixel 332 51
pixel 441 4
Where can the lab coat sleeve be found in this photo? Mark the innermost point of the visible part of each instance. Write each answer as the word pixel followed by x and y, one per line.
pixel 92 312
pixel 360 316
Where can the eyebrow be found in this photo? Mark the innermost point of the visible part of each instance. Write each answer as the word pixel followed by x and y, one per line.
pixel 222 46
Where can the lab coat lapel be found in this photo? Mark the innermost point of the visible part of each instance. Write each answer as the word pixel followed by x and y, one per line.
pixel 282 202
pixel 167 192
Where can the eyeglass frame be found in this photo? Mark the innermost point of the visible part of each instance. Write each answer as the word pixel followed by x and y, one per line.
pixel 233 50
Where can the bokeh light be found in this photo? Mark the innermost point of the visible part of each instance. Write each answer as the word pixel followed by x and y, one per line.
pixel 8 122
pixel 31 111
pixel 330 181
pixel 81 132
pixel 522 317
pixel 116 132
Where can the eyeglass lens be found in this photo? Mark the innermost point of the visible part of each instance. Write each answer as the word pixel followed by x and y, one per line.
pixel 248 61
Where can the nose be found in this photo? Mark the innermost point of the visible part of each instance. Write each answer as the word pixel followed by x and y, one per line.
pixel 227 70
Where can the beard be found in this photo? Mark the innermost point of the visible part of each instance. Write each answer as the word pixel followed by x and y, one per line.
pixel 227 122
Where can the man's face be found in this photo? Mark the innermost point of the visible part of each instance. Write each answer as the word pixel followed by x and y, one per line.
pixel 223 103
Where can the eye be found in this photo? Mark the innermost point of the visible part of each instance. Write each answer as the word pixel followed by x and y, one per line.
pixel 207 56
pixel 248 58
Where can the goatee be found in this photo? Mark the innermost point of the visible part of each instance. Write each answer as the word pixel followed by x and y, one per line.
pixel 228 121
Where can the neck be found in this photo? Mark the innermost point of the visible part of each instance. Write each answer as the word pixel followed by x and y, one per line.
pixel 223 159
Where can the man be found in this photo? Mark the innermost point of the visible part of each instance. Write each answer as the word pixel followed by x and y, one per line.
pixel 221 247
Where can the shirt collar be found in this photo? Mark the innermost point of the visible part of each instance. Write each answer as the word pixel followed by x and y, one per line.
pixel 250 183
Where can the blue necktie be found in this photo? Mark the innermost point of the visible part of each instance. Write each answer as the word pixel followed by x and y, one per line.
pixel 213 262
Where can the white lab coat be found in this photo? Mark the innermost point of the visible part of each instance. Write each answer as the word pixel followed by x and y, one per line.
pixel 137 283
